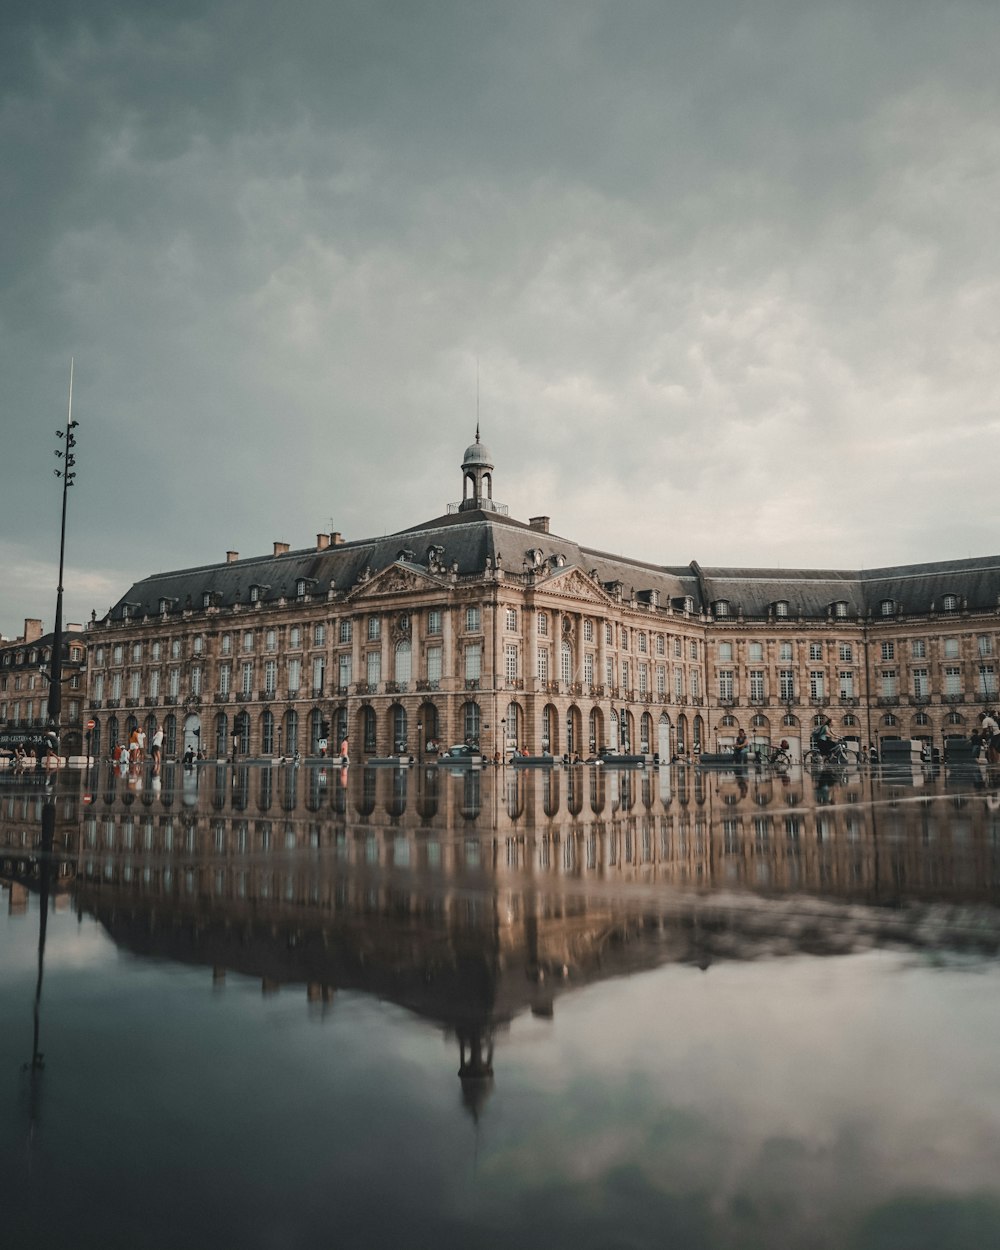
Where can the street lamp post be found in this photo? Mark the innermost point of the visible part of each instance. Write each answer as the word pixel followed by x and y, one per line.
pixel 68 477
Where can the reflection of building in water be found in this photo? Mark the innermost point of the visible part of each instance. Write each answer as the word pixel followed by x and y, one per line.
pixel 469 898
pixel 474 626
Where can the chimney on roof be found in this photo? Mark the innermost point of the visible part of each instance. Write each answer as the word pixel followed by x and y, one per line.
pixel 322 542
pixel 32 629
pixel 336 538
pixel 232 557
pixel 280 549
pixel 540 523
pixel 73 629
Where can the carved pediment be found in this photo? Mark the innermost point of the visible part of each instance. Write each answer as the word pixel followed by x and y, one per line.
pixel 394 580
pixel 574 583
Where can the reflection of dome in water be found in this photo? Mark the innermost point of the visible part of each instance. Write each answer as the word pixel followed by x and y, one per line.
pixel 475 1070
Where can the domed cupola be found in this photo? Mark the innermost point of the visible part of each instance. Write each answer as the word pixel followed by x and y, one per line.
pixel 477 478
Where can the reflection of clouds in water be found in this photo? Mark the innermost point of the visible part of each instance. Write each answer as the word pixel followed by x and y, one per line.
pixel 796 1087
pixel 67 945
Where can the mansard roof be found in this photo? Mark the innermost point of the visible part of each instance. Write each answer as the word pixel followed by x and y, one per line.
pixel 466 543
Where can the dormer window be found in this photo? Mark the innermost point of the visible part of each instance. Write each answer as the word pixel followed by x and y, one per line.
pixel 688 603
pixel 300 588
pixel 888 607
pixel 164 606
pixel 840 608
pixel 206 598
pixel 949 603
pixel 720 607
pixel 781 608
pixel 254 594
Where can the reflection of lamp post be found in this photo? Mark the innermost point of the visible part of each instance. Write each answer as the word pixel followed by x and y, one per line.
pixel 503 740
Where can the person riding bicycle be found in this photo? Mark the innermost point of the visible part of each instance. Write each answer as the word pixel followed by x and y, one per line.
pixel 824 739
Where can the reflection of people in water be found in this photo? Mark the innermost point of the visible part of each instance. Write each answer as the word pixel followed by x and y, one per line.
pixel 825 781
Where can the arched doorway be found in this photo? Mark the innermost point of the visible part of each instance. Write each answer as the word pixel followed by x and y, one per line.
pixel 192 732
pixel 398 726
pixel 550 730
pixel 574 731
pixel 663 739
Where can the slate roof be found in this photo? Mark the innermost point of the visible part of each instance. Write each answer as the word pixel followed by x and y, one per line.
pixel 466 540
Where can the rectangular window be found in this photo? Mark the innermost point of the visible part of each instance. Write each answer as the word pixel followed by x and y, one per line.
pixel 473 661
pixel 196 679
pixel 918 648
pixel 510 662
pixel 318 670
pixel 815 651
pixel 248 640
pixel 510 620
pixel 643 680
pixel 846 679
pixel 373 667
pixel 757 685
pixel 156 652
pixel 785 651
pixel 588 631
pixel 987 680
pixel 678 649
pixel 695 684
pixel 921 686
pixel 889 683
pixel 433 664
pixel 588 668
pixel 609 633
pixel 175 648
pixel 565 663
pixel 661 679
pixel 694 649
pixel 197 644
pixel 117 653
pixel 246 679
pixel 642 643
pixel 624 638
pixel 679 683
pixel 888 650
pixel 270 676
pixel 953 680
pixel 346 631
pixel 319 635
pixel 846 653
pixel 786 681
pixel 725 683
pixel 174 682
pixel 225 678
pixel 755 652
pixel 137 652
pixel 609 672
pixel 374 628
pixel 985 644
pixel 154 683
pixel 626 677
pixel 344 671
pixel 134 686
pixel 295 637
pixel 472 620
pixel 226 644
pixel 294 675
pixel 434 621
pixel 725 650
pixel 542 664
pixel 951 648
pixel 98 685
pixel 817 684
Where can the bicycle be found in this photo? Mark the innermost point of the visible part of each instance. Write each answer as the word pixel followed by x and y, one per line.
pixel 777 758
pixel 840 754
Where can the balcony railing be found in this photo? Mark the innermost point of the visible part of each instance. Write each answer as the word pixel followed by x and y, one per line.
pixel 954 698
pixel 397 687
pixel 428 685
pixel 244 696
pixel 151 700
pixel 472 683
pixel 114 703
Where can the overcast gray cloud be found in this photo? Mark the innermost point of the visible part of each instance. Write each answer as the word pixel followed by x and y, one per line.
pixel 728 271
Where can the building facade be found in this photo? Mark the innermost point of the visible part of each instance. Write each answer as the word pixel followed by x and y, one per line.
pixel 476 627
pixel 24 684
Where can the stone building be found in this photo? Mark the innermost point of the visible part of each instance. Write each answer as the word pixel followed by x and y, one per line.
pixel 476 627
pixel 24 685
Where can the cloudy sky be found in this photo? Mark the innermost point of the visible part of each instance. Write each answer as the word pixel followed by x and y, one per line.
pixel 727 272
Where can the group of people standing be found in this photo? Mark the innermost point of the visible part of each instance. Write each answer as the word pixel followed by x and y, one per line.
pixel 132 753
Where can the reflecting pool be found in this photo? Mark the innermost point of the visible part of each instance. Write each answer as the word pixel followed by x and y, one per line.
pixel 291 1007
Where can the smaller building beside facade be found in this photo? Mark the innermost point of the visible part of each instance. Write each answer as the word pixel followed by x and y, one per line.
pixel 476 627
pixel 24 683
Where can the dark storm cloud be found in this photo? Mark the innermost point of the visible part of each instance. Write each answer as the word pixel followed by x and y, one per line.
pixel 736 264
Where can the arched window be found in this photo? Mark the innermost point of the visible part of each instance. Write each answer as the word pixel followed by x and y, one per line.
pixel 471 721
pixel 781 607
pixel 512 727
pixel 291 743
pixel 221 736
pixel 368 729
pixel 399 729
pixel 241 732
pixel 267 733
pixel 403 661
pixel 170 734
pixel 315 730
